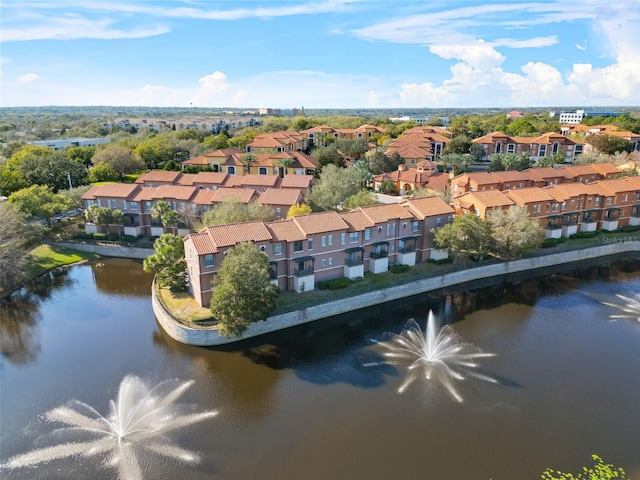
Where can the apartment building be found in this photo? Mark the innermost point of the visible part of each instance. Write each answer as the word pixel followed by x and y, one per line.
pixel 539 147
pixel 307 249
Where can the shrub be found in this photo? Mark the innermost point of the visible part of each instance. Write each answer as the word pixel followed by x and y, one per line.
pixel 335 284
pixel 83 236
pixel 549 242
pixel 100 236
pixel 114 236
pixel 129 238
pixel 442 261
pixel 398 268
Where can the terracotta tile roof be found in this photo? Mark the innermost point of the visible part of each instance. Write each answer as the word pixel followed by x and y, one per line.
pixel 428 207
pixel 89 194
pixel 234 233
pixel 509 176
pixel 357 220
pixel 633 180
pixel 159 176
pixel 490 198
pixel 187 179
pixel 617 185
pixel 203 244
pixel 210 178
pixel 384 213
pixel 576 189
pixel 224 153
pixel 320 222
pixel 285 231
pixel 541 173
pixel 115 190
pixel 204 197
pixel 242 195
pixel 523 196
pixel 255 180
pixel 297 181
pixel 279 196
pixel 200 160
pixel 558 194
pixel 494 137
pixel 409 151
pixel 174 192
pixel 479 178
pixel 233 181
pixel 145 194
pixel 572 171
pixel 604 168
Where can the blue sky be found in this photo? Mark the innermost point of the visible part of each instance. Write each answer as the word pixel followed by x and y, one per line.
pixel 320 53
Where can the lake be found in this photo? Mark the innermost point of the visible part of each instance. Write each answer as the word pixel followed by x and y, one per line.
pixel 320 401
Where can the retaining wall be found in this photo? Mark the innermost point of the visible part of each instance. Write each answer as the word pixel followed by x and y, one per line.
pixel 107 250
pixel 211 337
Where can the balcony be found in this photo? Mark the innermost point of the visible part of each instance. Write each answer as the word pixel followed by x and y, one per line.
pixel 379 254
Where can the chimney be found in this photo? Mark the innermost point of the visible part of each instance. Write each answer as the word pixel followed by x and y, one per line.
pixel 401 167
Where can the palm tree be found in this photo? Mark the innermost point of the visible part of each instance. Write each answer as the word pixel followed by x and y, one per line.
pixel 248 160
pixel 283 164
pixel 162 210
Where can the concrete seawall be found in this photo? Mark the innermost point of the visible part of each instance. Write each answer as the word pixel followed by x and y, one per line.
pixel 107 250
pixel 211 337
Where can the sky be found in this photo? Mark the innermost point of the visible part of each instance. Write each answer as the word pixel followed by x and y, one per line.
pixel 320 53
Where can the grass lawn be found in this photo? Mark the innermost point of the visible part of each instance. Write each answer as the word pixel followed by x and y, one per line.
pixel 45 257
pixel 184 306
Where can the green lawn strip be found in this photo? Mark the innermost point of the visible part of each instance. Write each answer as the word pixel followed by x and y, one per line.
pixel 46 257
pixel 183 306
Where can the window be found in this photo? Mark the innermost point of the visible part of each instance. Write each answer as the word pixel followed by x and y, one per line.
pixel 367 234
pixel 330 239
pixel 609 200
pixel 262 171
pixel 510 148
pixel 90 202
pixel 310 244
pixel 438 222
pixel 597 201
pixel 330 261
pixel 416 226
pixel 323 241
pixel 231 170
pixel 564 206
pixel 278 212
pixel 277 249
pixel 353 237
pixel 297 246
pixel 182 205
pixel 209 260
pixel 542 151
pixel 343 238
pixel 324 262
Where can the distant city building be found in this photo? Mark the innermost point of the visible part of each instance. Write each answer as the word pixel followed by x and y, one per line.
pixel 579 115
pixel 419 119
pixel 515 114
pixel 269 111
pixel 70 142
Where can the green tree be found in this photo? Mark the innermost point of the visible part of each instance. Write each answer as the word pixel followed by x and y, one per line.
pixel 388 187
pixel 363 171
pixel 102 172
pixel 243 139
pixel 509 161
pixel 468 234
pixel 298 209
pixel 120 159
pixel 360 199
pixel 216 142
pixel 522 126
pixel 12 250
pixel 610 144
pixel 162 211
pixel 477 152
pixel 329 155
pixel 44 166
pixel 11 180
pixel 599 471
pixel 231 210
pixel 81 154
pixel 460 144
pixel 284 164
pixel 168 263
pixel 242 291
pixel 74 195
pixel 334 187
pixel 352 148
pixel 104 216
pixel 513 232
pixel 39 201
pixel 381 163
pixel 155 151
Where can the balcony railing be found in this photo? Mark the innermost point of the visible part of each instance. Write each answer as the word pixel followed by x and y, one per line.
pixel 303 272
pixel 353 262
pixel 407 249
pixel 380 254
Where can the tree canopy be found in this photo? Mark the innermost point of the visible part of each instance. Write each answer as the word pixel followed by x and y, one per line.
pixel 242 291
pixel 119 159
pixel 39 201
pixel 610 144
pixel 509 161
pixel 381 163
pixel 168 263
pixel 334 187
pixel 298 209
pixel 231 210
pixel 12 251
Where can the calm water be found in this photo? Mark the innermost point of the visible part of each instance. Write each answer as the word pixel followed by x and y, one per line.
pixel 302 405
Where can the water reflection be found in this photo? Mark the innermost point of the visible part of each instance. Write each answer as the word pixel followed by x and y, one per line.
pixel 122 277
pixel 20 313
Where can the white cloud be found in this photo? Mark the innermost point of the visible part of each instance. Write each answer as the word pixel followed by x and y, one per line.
pixel 29 78
pixel 71 27
pixel 478 56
